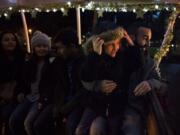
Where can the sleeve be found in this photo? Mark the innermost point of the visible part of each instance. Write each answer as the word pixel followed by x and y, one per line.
pixel 53 81
pixel 91 67
pixel 22 81
pixel 156 81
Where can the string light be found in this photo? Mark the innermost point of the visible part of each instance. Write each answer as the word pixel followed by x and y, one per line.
pixel 106 9
pixel 47 10
pixel 69 3
pixel 103 6
pixel 167 8
pixel 62 9
pixel 5 14
pixel 89 5
pixel 30 31
pixel 10 8
pixel 83 9
pixel 124 9
pixel 98 8
pixel 145 9
pixel 38 10
pixel 54 10
pixel 115 10
pixel 174 8
pixel 23 10
pixel 156 6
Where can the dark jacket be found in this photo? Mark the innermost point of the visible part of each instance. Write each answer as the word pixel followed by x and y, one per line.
pixel 97 68
pixel 142 68
pixel 11 70
pixel 51 71
pixel 72 92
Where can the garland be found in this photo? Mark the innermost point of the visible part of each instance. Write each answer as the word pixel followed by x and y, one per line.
pixel 164 49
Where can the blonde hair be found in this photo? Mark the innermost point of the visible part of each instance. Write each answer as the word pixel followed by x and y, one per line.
pixel 110 35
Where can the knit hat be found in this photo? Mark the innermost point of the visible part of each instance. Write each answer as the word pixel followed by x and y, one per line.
pixel 40 38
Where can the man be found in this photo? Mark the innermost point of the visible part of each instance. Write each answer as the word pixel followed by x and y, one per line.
pixel 144 78
pixel 68 98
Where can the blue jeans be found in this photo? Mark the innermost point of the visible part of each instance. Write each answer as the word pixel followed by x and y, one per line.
pixel 73 120
pixel 133 124
pixel 98 125
pixel 85 123
pixel 5 112
pixel 16 121
pixel 30 118
pixel 44 123
pixel 106 126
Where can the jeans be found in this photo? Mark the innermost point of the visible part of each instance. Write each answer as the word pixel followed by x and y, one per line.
pixel 44 123
pixel 106 126
pixel 73 120
pixel 98 125
pixel 16 121
pixel 85 123
pixel 30 118
pixel 5 113
pixel 133 123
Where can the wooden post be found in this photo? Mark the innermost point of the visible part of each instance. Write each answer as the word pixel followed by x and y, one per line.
pixel 25 31
pixel 78 18
pixel 95 20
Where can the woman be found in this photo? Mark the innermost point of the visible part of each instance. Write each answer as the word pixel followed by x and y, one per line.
pixel 103 74
pixel 11 62
pixel 35 92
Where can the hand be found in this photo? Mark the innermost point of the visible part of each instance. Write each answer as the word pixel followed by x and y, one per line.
pixel 64 120
pixel 142 88
pixel 20 97
pixel 40 105
pixel 128 38
pixel 97 45
pixel 107 86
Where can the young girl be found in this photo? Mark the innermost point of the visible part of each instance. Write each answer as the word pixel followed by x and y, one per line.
pixel 37 81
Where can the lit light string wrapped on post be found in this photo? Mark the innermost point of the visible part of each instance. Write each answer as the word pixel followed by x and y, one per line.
pixel 164 48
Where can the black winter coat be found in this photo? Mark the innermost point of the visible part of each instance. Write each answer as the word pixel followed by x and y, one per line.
pixel 51 72
pixel 98 68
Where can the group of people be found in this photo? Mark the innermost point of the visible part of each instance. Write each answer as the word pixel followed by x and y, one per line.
pixel 99 88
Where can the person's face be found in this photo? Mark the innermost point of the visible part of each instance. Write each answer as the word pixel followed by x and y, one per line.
pixel 66 52
pixel 112 47
pixel 8 42
pixel 143 36
pixel 60 48
pixel 41 50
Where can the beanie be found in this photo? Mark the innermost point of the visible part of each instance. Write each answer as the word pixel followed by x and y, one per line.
pixel 40 38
